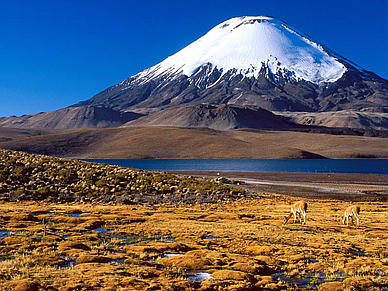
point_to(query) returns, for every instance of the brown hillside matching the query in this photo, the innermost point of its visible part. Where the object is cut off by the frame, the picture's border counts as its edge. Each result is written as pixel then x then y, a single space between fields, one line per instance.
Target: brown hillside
pixel 170 142
pixel 71 118
pixel 340 119
pixel 214 116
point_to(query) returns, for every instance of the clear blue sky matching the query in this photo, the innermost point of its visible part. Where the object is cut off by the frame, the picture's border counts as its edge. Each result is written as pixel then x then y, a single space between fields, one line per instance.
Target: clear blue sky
pixel 56 53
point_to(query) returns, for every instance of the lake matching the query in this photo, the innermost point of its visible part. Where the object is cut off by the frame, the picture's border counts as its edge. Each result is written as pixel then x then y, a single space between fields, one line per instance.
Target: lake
pixel 361 166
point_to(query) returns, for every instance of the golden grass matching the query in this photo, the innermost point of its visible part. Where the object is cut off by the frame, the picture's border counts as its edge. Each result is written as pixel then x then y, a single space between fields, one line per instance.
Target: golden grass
pixel 240 243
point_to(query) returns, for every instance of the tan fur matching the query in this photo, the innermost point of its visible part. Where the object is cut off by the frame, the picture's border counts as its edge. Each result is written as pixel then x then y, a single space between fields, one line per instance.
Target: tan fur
pixel 299 208
pixel 353 210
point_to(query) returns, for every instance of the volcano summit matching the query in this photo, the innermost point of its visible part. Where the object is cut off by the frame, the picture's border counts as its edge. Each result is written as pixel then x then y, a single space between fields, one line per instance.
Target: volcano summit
pixel 238 66
pixel 259 61
pixel 246 73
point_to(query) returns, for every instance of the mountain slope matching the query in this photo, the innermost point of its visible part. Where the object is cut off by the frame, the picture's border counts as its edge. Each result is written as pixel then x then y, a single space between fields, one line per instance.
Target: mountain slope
pixel 220 117
pixel 258 61
pixel 70 118
pixel 341 119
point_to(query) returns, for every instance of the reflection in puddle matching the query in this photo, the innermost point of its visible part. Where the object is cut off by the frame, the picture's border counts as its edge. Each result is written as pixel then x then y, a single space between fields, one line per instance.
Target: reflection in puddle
pixel 100 229
pixel 76 214
pixel 172 255
pixel 308 281
pixel 164 238
pixel 4 234
pixel 199 276
pixel 116 262
pixel 106 235
pixel 70 263
pixel 210 237
pixel 359 253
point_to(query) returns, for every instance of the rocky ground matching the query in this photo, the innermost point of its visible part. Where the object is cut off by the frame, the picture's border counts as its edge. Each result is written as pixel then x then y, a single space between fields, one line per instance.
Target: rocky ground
pixel 191 237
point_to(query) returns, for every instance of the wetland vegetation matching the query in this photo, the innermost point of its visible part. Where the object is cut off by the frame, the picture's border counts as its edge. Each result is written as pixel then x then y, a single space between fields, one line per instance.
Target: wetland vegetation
pixel 109 232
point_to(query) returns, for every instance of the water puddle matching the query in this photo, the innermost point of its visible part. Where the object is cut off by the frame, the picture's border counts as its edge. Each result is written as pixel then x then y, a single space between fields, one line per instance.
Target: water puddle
pixel 198 276
pixel 309 280
pixel 5 257
pixel 70 263
pixel 171 255
pixel 101 229
pixel 359 253
pixel 4 234
pixel 120 262
pixel 164 238
pixel 75 214
pixel 208 237
pixel 106 235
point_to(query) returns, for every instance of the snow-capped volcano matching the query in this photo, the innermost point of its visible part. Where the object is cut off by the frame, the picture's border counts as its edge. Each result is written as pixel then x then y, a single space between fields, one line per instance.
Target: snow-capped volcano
pixel 259 61
pixel 247 44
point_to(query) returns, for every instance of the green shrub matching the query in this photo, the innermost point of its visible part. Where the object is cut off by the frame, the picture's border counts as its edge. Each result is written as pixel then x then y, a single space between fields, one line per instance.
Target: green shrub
pixel 44 192
pixel 67 175
pixel 4 174
pixel 20 174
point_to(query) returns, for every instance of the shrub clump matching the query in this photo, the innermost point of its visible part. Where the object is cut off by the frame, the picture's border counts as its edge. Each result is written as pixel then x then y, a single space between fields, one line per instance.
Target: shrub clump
pixel 25 176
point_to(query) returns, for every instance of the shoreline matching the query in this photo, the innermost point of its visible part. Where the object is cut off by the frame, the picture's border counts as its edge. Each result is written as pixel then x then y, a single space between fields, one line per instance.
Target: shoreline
pixel 333 186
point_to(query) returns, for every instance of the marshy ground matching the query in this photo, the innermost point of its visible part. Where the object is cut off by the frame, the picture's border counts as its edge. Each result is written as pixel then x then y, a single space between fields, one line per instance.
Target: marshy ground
pixel 71 225
pixel 241 245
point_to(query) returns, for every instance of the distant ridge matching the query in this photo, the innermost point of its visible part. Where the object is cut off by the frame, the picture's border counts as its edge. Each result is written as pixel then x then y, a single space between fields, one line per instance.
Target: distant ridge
pixel 220 117
pixel 340 119
pixel 71 118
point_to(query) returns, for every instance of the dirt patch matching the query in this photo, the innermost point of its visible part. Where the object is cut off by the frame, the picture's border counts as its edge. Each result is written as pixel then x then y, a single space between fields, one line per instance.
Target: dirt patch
pixel 346 187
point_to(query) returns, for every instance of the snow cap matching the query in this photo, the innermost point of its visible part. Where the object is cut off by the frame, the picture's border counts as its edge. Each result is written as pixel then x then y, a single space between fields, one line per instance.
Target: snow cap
pixel 246 44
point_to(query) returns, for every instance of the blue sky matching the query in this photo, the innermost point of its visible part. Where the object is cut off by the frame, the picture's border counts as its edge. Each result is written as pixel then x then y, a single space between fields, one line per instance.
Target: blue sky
pixel 56 53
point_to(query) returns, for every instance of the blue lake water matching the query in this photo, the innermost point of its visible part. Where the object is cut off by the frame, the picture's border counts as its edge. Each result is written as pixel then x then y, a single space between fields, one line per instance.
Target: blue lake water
pixel 361 166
